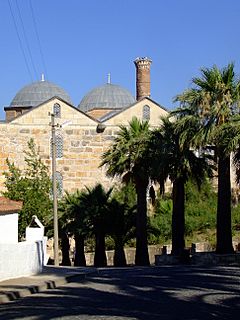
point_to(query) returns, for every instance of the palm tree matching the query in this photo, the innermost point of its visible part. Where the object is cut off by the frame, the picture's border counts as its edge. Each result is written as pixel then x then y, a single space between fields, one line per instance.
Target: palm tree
pixel 122 219
pixel 213 103
pixel 177 161
pixel 122 208
pixel 74 219
pixel 65 247
pixel 63 221
pixel 94 205
pixel 127 158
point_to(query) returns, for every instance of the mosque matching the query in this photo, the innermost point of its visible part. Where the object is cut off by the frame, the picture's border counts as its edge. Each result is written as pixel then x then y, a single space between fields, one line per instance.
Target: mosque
pixel 83 133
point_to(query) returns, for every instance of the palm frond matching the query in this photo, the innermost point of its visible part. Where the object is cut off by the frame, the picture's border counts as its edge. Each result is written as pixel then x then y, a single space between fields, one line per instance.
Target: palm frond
pixel 127 152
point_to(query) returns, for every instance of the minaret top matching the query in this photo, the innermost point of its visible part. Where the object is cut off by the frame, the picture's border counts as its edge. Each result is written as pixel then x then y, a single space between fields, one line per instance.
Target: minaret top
pixel 143 63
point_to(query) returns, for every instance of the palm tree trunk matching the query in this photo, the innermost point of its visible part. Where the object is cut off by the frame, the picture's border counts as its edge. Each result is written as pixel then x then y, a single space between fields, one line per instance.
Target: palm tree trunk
pixel 224 224
pixel 100 259
pixel 178 218
pixel 79 259
pixel 119 259
pixel 142 257
pixel 65 249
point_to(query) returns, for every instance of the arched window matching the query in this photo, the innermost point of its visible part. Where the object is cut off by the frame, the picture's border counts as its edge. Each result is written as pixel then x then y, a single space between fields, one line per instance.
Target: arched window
pixel 146 113
pixel 59 146
pixel 57 110
pixel 59 180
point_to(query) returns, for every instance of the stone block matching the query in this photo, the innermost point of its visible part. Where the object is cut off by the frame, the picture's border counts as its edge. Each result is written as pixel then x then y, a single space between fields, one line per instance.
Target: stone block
pixel 200 247
pixel 76 143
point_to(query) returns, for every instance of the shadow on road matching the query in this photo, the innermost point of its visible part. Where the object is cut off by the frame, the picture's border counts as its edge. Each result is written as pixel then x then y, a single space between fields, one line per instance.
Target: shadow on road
pixel 166 292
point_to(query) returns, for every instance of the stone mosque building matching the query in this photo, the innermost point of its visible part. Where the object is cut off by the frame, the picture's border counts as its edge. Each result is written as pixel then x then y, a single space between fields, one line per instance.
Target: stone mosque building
pixel 83 132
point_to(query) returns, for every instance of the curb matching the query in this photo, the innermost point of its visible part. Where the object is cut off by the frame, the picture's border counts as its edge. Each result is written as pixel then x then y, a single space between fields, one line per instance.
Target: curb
pixel 11 295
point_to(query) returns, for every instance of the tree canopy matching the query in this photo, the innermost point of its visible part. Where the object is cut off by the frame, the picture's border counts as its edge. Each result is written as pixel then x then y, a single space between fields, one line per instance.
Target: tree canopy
pixel 212 106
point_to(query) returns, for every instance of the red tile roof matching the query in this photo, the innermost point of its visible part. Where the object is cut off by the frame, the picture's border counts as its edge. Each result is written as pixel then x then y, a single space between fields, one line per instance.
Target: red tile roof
pixel 8 206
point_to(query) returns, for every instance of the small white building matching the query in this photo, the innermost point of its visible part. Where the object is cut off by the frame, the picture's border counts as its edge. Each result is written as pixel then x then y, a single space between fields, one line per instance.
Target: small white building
pixel 9 220
pixel 17 259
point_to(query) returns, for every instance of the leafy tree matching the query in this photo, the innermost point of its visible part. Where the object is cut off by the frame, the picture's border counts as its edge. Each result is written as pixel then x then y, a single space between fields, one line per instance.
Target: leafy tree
pixel 212 105
pixel 127 158
pixel 32 186
pixel 174 159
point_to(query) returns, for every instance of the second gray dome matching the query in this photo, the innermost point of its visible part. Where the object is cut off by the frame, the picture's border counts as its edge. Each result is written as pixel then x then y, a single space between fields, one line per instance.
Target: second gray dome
pixel 38 92
pixel 108 96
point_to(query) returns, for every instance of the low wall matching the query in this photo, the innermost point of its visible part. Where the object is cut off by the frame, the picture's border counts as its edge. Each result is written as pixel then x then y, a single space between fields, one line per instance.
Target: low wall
pixel 21 259
pixel 211 258
pixel 200 259
pixel 129 253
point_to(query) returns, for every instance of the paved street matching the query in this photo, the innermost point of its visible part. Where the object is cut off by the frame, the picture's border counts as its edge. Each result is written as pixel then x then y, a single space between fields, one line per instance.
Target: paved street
pixel 167 292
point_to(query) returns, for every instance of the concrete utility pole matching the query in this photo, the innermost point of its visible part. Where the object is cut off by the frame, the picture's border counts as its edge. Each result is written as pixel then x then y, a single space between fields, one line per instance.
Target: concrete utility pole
pixel 54 191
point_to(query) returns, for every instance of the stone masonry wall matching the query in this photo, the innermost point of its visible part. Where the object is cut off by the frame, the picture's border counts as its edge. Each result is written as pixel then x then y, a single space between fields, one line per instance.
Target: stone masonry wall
pixel 82 150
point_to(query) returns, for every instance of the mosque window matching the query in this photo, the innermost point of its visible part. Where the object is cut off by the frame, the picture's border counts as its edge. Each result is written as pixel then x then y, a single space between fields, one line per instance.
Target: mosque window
pixel 57 110
pixel 146 113
pixel 59 180
pixel 59 146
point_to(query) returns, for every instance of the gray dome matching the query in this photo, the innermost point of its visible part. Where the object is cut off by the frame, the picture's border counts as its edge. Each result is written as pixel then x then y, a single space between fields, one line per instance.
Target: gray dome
pixel 37 93
pixel 108 96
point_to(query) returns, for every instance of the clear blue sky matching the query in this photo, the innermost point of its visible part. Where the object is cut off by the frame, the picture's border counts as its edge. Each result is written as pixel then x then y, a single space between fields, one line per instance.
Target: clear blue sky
pixel 83 40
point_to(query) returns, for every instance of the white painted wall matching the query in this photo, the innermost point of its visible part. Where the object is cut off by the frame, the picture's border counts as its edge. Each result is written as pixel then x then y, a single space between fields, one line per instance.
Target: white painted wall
pixel 9 228
pixel 21 259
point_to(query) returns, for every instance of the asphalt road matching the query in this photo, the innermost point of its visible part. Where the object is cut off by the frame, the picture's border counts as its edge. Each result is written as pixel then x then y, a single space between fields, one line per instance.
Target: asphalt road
pixel 167 292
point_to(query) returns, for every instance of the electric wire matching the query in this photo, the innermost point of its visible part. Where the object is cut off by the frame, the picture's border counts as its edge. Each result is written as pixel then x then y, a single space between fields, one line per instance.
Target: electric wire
pixel 38 39
pixel 20 41
pixel 26 41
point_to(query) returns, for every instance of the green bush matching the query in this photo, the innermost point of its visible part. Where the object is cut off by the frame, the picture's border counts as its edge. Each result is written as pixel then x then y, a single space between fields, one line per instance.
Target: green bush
pixel 161 222
pixel 200 213
pixel 200 208
pixel 236 220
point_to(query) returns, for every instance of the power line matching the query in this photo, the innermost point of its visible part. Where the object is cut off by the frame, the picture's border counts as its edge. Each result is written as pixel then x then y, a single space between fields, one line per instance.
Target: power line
pixel 20 41
pixel 26 40
pixel 38 39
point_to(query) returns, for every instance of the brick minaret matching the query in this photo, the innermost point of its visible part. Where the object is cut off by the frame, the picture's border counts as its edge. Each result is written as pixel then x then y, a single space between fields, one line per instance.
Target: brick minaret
pixel 142 77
